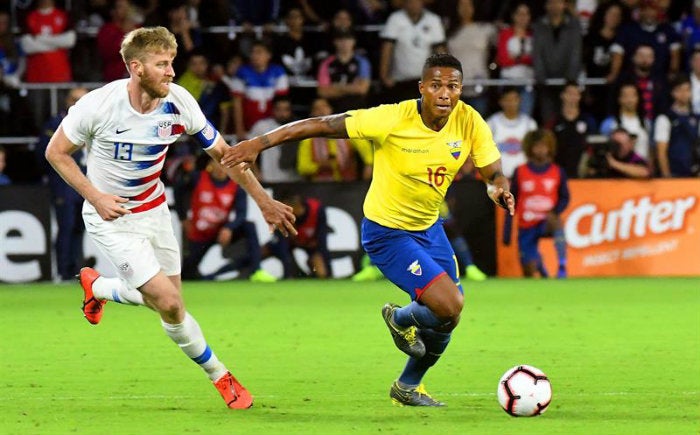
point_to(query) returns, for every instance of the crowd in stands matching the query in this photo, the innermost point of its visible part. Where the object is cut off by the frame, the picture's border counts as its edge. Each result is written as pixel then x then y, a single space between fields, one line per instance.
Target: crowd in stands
pixel 254 65
pixel 284 59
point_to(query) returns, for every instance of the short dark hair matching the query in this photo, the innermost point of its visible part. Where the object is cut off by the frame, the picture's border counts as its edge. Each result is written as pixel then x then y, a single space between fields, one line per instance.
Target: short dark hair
pixel 573 83
pixel 678 80
pixel 343 34
pixel 438 60
pixel 620 129
pixel 262 43
pixel 279 98
pixel 197 51
pixel 288 195
pixel 509 89
pixel 644 45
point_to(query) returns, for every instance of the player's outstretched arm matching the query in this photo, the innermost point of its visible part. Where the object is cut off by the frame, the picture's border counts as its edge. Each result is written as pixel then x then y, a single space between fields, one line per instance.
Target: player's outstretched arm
pixel 58 153
pixel 247 151
pixel 277 215
pixel 498 187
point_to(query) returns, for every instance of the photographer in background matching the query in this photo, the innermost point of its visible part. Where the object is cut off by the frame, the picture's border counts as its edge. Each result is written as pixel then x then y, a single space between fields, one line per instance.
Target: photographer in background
pixel 616 158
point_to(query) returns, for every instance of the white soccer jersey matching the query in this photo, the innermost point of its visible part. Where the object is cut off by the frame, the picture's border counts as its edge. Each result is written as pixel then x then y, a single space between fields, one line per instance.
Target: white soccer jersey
pixel 413 42
pixel 126 149
pixel 508 135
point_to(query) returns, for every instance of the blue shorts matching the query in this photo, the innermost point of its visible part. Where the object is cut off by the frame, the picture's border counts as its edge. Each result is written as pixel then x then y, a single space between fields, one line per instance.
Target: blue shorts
pixel 410 259
pixel 528 240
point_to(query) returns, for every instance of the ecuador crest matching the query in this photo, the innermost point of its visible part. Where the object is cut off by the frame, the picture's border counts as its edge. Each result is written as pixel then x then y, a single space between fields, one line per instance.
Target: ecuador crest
pixel 455 148
pixel 415 268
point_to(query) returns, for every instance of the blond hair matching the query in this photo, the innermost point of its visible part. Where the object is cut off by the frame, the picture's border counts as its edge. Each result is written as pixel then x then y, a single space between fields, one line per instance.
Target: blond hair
pixel 139 42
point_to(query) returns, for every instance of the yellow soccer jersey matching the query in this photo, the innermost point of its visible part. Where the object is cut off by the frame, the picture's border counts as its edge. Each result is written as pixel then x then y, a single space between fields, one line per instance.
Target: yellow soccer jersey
pixel 414 165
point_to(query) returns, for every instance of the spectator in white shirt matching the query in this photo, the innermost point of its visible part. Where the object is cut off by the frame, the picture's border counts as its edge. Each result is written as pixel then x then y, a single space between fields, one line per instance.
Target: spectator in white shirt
pixel 509 127
pixel 470 42
pixel 410 35
pixel 277 164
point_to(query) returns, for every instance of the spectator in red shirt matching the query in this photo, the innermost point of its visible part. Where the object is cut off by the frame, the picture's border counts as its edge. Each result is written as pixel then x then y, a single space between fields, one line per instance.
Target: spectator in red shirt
pixel 514 53
pixel 109 40
pixel 214 198
pixel 543 194
pixel 47 42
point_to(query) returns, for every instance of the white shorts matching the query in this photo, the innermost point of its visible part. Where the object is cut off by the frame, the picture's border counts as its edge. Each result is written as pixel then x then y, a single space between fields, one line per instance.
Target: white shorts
pixel 139 245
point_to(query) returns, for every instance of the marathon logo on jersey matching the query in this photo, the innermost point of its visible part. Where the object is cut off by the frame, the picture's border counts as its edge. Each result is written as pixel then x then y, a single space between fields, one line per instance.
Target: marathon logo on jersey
pixel 167 129
pixel 415 268
pixel 455 148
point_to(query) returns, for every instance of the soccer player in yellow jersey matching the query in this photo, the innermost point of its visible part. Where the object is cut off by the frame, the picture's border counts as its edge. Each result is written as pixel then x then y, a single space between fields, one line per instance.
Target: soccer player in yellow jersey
pixel 419 145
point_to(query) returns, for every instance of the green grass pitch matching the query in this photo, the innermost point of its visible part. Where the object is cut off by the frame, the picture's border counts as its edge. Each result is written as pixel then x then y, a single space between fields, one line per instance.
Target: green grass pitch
pixel 623 356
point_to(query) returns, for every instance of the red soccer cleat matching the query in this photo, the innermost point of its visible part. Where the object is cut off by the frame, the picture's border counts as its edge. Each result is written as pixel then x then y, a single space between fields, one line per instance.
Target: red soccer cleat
pixel 92 307
pixel 233 393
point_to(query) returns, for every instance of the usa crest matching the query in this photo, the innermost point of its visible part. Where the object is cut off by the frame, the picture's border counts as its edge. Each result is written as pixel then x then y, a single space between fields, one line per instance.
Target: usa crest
pixel 455 148
pixel 165 128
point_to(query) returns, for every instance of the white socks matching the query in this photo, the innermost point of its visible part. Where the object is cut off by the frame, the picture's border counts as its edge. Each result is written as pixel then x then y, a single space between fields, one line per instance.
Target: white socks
pixel 188 335
pixel 115 289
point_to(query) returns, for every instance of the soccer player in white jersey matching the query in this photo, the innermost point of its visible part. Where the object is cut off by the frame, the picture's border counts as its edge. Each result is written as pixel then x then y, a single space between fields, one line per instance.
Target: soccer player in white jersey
pixel 127 126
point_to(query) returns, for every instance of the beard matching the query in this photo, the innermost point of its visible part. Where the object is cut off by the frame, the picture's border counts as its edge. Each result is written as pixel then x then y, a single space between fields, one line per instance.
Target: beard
pixel 646 69
pixel 154 87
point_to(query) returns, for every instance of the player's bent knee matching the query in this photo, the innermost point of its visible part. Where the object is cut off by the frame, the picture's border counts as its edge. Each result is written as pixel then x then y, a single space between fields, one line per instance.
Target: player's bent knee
pixel 451 307
pixel 169 306
pixel 448 312
pixel 452 312
pixel 444 300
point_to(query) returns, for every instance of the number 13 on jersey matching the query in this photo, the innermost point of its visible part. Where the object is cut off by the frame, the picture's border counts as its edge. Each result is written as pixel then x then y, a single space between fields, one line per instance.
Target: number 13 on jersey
pixel 123 151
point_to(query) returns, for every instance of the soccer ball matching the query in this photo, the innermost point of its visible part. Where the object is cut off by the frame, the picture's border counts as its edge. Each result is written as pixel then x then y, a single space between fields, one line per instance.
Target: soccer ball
pixel 524 391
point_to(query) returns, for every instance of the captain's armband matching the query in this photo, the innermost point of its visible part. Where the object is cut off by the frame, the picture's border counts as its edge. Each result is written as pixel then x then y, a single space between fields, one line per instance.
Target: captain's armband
pixel 207 136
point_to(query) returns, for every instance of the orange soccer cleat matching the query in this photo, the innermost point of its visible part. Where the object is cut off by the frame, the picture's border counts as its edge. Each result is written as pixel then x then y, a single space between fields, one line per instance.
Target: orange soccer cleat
pixel 92 307
pixel 233 393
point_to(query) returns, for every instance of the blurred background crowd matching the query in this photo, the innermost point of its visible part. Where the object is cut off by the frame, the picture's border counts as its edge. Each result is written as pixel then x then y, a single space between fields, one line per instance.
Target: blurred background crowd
pixel 616 81
pixel 581 68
